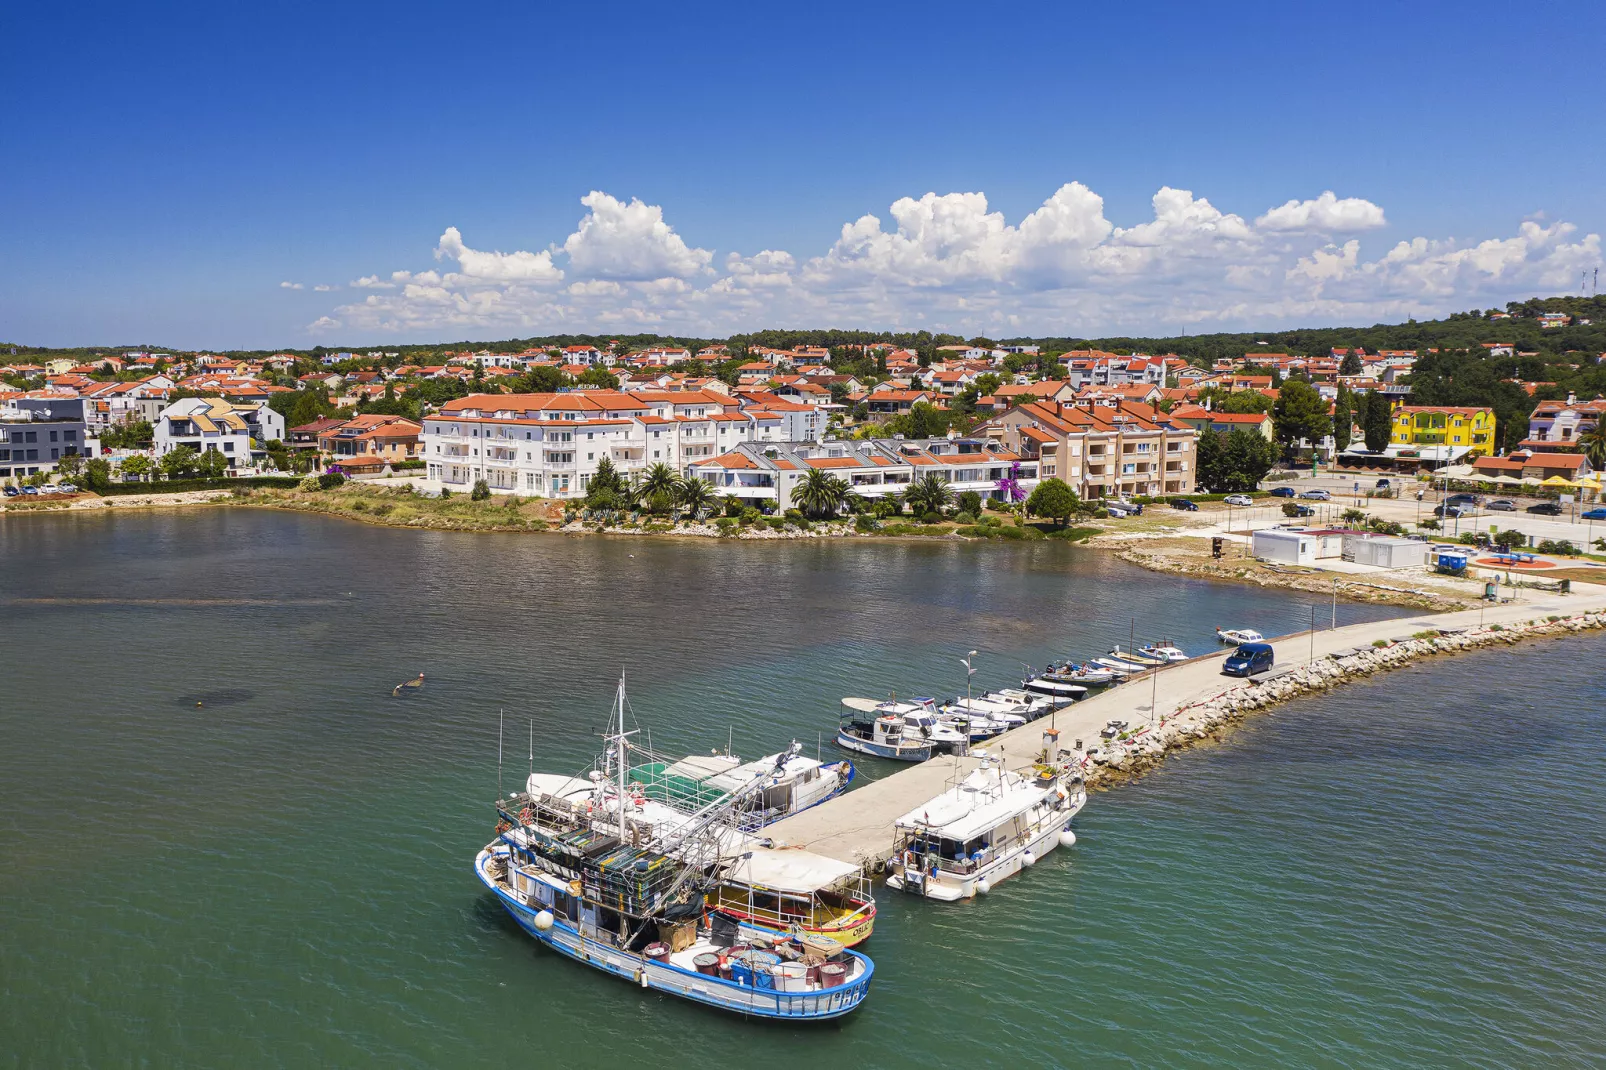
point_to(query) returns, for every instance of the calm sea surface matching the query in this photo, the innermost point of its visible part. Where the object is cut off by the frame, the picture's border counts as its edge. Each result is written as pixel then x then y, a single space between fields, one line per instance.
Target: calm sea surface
pixel 1406 872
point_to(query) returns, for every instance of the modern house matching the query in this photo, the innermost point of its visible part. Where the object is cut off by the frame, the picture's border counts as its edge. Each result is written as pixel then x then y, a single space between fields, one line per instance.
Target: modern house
pixel 234 429
pixel 1100 450
pixel 368 442
pixel 38 429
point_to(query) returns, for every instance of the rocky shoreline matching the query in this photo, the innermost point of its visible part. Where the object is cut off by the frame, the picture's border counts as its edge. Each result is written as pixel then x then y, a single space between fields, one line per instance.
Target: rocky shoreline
pixel 1124 760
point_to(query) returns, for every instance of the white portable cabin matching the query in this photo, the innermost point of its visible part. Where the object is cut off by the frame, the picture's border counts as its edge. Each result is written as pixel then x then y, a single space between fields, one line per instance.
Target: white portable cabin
pixel 1285 547
pixel 1385 551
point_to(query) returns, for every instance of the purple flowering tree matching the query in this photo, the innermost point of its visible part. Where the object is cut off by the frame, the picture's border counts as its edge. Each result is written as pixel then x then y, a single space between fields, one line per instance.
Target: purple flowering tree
pixel 1014 493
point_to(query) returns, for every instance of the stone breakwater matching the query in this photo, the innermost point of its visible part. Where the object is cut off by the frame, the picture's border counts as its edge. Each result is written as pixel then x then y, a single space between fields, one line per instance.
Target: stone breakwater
pixel 1124 759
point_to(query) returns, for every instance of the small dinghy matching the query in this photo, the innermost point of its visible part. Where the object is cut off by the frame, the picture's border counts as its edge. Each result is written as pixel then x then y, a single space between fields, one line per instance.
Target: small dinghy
pixel 1235 636
pixel 1166 651
pixel 408 685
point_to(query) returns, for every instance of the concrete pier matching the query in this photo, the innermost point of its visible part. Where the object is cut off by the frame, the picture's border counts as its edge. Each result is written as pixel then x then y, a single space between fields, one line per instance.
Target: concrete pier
pixel 858 826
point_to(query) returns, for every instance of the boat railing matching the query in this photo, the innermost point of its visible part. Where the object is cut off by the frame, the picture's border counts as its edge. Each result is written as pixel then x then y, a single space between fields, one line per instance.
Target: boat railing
pixel 813 1003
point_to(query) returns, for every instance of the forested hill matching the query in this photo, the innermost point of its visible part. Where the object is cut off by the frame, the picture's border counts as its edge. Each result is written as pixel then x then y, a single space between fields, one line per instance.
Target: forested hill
pixel 1461 330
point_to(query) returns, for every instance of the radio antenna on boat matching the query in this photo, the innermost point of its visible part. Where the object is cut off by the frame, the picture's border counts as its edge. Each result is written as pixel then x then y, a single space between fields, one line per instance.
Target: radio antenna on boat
pixel 532 750
pixel 499 719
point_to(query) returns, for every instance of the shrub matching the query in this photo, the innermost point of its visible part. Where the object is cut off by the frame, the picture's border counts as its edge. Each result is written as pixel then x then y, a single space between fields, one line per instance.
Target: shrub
pixel 1563 547
pixel 727 525
pixel 734 507
pixel 750 515
pixel 1380 643
pixel 1497 627
pixel 1290 509
pixel 932 517
pixel 310 483
pixel 969 503
pixel 776 523
pixel 963 517
pixel 331 480
pixel 1507 540
pixel 865 524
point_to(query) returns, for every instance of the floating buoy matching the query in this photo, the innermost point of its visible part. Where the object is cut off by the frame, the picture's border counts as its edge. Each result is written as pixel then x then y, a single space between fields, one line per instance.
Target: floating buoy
pixel 1028 859
pixel 198 705
pixel 1067 838
pixel 984 886
pixel 543 920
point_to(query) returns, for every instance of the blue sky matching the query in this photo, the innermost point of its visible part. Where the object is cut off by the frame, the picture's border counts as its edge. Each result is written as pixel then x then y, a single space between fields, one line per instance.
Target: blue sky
pixel 171 168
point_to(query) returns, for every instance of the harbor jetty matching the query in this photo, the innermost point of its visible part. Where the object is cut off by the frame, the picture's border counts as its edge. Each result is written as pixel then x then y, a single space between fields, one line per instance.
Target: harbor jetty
pixel 1178 705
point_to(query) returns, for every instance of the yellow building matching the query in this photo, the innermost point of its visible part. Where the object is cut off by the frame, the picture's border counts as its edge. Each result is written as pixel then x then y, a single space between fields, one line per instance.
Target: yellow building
pixel 1438 425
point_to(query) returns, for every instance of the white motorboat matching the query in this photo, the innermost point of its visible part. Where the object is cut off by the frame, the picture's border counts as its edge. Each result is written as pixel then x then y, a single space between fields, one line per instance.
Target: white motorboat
pixel 1089 674
pixel 1004 712
pixel 988 827
pixel 1035 706
pixel 1166 651
pixel 974 726
pixel 1235 636
pixel 909 731
pixel 1137 657
pixel 1127 667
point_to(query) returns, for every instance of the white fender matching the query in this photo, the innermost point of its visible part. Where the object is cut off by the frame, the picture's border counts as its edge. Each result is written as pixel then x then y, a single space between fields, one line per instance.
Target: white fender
pixel 984 886
pixel 1067 838
pixel 543 920
pixel 1028 859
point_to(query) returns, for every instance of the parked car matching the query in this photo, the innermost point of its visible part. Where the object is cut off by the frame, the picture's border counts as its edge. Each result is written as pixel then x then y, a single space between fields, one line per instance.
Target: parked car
pixel 1317 494
pixel 1446 509
pixel 1183 503
pixel 1383 484
pixel 1282 492
pixel 1239 499
pixel 1116 512
pixel 1593 514
pixel 30 490
pixel 67 488
pixel 1546 509
pixel 1248 659
pixel 1462 499
pixel 1304 510
pixel 1500 505
pixel 12 492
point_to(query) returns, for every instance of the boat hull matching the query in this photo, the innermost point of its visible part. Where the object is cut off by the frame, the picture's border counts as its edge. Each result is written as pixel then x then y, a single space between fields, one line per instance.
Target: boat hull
pixel 900 753
pixel 668 978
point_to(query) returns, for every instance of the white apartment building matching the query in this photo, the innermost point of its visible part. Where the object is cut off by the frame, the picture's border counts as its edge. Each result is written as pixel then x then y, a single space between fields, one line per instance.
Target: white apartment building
pixel 551 444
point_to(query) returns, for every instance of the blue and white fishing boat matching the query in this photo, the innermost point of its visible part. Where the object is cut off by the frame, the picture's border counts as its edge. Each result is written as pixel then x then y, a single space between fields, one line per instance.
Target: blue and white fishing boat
pixel 593 869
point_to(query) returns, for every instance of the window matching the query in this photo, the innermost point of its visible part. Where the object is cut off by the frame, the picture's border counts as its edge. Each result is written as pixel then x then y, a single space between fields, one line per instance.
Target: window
pixel 70 436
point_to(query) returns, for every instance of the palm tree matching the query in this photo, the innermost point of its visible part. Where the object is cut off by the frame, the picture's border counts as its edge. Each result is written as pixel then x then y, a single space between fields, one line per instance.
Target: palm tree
pixel 820 494
pixel 657 488
pixel 928 494
pixel 1593 444
pixel 696 495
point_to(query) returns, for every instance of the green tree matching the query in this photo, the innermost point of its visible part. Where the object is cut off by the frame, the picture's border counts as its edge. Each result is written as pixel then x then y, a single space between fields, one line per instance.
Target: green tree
pixel 927 421
pixel 820 494
pixel 1351 364
pixel 604 489
pixel 928 494
pixel 1343 418
pixel 696 495
pixel 659 479
pixel 480 492
pixel 70 466
pixel 1593 445
pixel 542 379
pixel 970 502
pixel 138 466
pixel 1377 423
pixel 599 376
pixel 1243 402
pixel 213 464
pixel 1300 414
pixel 1055 499
pixel 179 462
pixel 1235 462
pixel 97 473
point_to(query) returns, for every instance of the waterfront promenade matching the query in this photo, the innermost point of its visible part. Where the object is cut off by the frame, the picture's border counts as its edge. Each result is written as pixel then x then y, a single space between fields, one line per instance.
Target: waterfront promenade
pixel 858 826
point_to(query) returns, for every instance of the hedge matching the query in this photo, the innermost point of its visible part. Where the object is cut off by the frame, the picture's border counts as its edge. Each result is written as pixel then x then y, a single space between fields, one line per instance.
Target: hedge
pixel 174 486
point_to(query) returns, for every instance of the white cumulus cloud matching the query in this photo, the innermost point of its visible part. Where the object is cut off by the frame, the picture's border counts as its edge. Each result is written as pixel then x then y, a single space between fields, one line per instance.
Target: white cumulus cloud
pixel 1326 213
pixel 952 262
pixel 290 286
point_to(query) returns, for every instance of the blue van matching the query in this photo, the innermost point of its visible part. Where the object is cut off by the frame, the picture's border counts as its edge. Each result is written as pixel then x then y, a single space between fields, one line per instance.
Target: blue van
pixel 1248 659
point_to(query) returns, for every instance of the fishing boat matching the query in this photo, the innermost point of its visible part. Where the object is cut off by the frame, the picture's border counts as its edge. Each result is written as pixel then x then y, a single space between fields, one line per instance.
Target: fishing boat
pixel 1136 657
pixel 1235 636
pixel 792 891
pixel 1035 706
pixel 1003 714
pixel 794 782
pixel 1060 691
pixel 1167 652
pixel 975 727
pixel 1124 666
pixel 902 731
pixel 986 828
pixel 1087 674
pixel 593 869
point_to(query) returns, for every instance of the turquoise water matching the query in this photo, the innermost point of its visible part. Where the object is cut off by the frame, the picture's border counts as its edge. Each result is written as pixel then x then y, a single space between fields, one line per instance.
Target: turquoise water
pixel 1404 872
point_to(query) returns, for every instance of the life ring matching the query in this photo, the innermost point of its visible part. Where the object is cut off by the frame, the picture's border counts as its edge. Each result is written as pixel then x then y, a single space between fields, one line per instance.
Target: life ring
pixel 525 816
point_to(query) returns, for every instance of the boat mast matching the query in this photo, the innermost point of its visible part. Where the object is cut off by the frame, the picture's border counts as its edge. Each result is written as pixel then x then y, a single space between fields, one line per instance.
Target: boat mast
pixel 624 759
